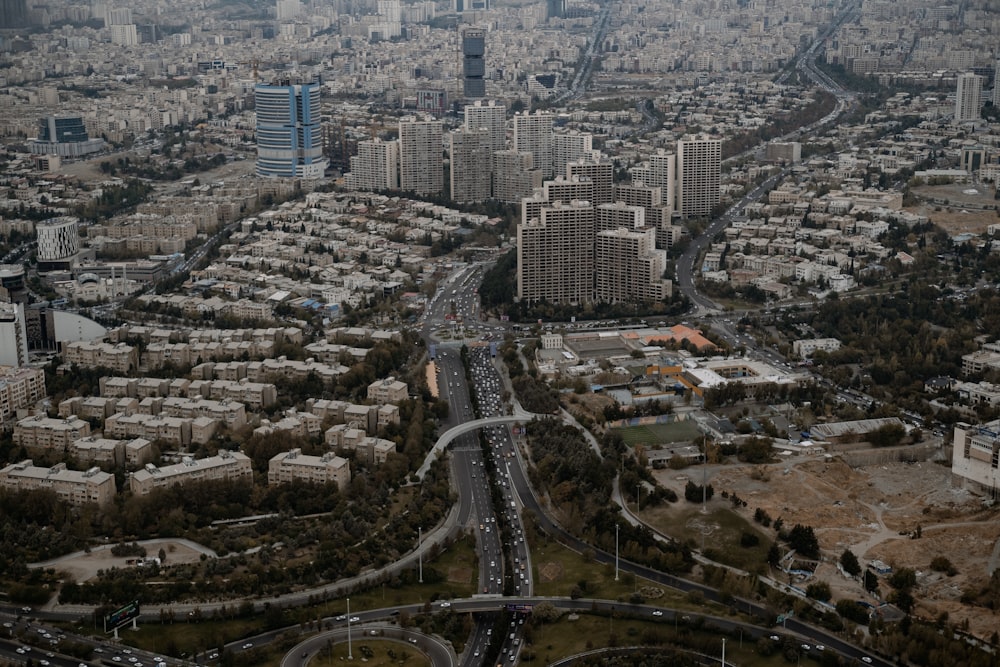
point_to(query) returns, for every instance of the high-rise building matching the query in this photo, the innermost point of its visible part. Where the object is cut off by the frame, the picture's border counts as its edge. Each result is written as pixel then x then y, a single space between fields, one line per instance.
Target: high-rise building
pixel 514 176
pixel 629 267
pixel 473 63
pixel 124 35
pixel 639 194
pixel 570 147
pixel 562 190
pixel 471 161
pixel 375 167
pixel 13 335
pixel 555 9
pixel 968 97
pixel 421 160
pixel 289 134
pixel 533 133
pixel 619 214
pixel 555 255
pixel 996 84
pixel 493 117
pixel 699 167
pixel 600 171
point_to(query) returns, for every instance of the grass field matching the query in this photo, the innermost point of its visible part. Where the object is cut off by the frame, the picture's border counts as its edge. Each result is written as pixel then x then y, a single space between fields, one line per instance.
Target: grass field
pixel 721 531
pixel 570 636
pixel 655 434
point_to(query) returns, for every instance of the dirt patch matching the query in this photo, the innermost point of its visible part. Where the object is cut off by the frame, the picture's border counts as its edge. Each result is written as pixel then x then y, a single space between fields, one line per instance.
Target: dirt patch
pixel 590 406
pixel 550 571
pixel 963 213
pixel 459 575
pixel 874 511
pixel 82 566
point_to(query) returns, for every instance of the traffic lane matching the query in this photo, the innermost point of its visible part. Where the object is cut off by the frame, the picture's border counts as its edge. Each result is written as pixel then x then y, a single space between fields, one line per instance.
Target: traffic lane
pixel 435 649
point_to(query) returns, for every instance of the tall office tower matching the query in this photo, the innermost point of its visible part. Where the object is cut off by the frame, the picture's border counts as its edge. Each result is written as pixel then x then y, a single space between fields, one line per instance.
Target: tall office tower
pixel 375 167
pixel 533 133
pixel 493 117
pixel 473 63
pixel 58 243
pixel 555 255
pixel 619 214
pixel 514 176
pixel 699 166
pixel 421 163
pixel 471 161
pixel 629 267
pixel 289 135
pixel 65 136
pixel 570 147
pixel 968 97
pixel 639 194
pixel 601 171
pixel 13 335
pixel 559 190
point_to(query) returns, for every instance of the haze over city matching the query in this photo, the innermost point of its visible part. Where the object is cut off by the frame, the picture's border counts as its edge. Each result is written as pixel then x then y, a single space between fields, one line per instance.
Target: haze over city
pixel 471 333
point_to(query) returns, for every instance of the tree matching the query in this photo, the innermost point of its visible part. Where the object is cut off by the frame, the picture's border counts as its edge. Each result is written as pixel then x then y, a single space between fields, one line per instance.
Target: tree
pixel 803 540
pixel 819 591
pixel 850 563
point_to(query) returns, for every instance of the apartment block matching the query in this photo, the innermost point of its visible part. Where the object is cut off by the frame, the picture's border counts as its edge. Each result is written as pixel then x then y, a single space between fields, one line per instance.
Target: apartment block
pixel 107 452
pixel 600 171
pixel 421 160
pixel 555 261
pixel 70 486
pixel 629 267
pixel 375 167
pixel 120 358
pixel 389 390
pixel 293 466
pixel 41 434
pixel 533 134
pixel 514 175
pixel 699 168
pixel 471 163
pixel 20 388
pixel 226 466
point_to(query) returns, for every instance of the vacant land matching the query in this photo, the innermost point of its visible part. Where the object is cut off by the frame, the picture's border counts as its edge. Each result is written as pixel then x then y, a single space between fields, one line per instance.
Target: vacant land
pixel 874 511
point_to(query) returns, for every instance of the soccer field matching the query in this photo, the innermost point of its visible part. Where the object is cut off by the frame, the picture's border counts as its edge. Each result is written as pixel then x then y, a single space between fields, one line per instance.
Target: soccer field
pixel 680 431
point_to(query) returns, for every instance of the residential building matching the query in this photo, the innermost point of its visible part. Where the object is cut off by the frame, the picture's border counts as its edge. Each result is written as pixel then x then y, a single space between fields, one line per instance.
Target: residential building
pixel 42 434
pixel 805 347
pixel 968 97
pixel 120 358
pixel 289 135
pixel 471 162
pixel 492 116
pixel 600 171
pixel 70 486
pixel 555 254
pixel 389 390
pixel 629 267
pixel 570 147
pixel 514 176
pixel 226 466
pixel 699 168
pixel 375 167
pixel 421 161
pixel 20 388
pixel 533 134
pixel 293 466
pixel 619 214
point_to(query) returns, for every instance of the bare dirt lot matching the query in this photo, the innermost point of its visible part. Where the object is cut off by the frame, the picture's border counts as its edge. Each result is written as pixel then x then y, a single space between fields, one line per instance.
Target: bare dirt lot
pixel 874 511
pixel 963 212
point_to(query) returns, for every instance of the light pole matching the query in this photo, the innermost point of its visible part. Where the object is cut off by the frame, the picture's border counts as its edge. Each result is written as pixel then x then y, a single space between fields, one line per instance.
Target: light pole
pixel 616 552
pixel 420 554
pixel 723 652
pixel 350 654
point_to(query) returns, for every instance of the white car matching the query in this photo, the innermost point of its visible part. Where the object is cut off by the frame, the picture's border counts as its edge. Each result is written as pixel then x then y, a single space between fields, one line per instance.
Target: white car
pixel 657 612
pixel 866 660
pixel 445 604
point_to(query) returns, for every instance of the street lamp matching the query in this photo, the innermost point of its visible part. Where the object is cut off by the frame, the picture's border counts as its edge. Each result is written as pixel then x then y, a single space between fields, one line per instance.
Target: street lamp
pixel 420 554
pixel 616 552
pixel 350 654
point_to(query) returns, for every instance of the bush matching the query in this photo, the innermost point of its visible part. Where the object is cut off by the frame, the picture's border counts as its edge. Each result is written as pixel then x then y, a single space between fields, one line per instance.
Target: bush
pixel 942 564
pixel 819 591
pixel 748 540
pixel 695 493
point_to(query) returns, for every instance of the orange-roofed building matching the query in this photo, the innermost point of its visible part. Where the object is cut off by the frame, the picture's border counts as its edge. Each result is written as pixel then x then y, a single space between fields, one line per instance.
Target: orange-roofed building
pixel 680 333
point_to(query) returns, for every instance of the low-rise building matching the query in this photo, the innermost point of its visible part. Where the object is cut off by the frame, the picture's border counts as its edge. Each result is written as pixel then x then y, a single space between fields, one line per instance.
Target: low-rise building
pixel 293 466
pixel 120 357
pixel 805 347
pixel 71 486
pixel 226 466
pixel 43 434
pixel 389 390
pixel 975 459
pixel 20 388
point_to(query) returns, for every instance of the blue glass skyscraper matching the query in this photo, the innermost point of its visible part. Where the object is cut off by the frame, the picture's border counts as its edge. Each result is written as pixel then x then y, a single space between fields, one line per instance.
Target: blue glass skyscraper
pixel 289 135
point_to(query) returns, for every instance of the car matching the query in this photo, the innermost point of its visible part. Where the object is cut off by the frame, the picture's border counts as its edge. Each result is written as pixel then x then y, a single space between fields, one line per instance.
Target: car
pixel 412 640
pixel 806 647
pixel 820 647
pixel 775 638
pixel 445 604
pixel 44 663
pixel 342 617
pixel 20 649
pixel 82 664
pixel 247 645
pixel 355 619
pixel 866 660
pixel 657 612
pixel 117 658
pixel 213 656
pixel 476 654
pixel 305 654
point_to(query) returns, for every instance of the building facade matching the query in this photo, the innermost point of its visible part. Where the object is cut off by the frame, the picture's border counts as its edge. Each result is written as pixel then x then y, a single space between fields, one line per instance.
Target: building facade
pixel 629 267
pixel 292 466
pixel 699 169
pixel 533 134
pixel 473 63
pixel 968 97
pixel 226 466
pixel 555 254
pixel 471 160
pixel 375 167
pixel 71 486
pixel 289 135
pixel 421 160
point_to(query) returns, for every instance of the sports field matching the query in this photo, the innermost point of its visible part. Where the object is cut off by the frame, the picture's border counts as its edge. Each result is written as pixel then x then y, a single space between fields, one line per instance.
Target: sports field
pixel 653 434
